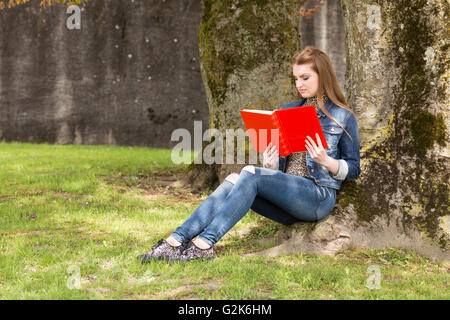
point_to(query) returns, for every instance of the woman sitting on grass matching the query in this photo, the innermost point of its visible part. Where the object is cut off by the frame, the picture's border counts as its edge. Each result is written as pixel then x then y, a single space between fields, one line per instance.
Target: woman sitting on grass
pixel 299 187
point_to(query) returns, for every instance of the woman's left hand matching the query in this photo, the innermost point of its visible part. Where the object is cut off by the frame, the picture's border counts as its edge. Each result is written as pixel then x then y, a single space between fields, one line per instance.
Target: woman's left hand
pixel 316 151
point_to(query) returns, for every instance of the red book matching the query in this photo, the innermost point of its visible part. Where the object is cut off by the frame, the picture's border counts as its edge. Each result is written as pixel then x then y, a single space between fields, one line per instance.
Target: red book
pixel 293 125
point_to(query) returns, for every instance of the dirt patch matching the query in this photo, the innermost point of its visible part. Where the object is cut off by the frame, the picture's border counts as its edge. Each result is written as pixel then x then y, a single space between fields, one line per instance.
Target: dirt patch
pixel 158 179
pixel 102 291
pixel 38 192
pixel 39 247
pixel 188 290
pixel 160 185
pixel 94 234
pixel 41 231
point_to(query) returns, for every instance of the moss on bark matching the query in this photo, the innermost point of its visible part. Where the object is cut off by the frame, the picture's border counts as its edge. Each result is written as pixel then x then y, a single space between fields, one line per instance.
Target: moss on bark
pixel 405 175
pixel 245 53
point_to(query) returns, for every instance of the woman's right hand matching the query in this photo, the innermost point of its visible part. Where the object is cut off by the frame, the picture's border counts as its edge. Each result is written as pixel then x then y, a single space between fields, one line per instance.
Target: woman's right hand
pixel 270 157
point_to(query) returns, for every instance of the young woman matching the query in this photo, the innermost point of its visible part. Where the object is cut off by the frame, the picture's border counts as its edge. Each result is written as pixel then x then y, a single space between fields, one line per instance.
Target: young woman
pixel 299 187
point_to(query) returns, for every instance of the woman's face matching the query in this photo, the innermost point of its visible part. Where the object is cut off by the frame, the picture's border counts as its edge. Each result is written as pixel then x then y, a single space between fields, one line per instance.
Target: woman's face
pixel 306 80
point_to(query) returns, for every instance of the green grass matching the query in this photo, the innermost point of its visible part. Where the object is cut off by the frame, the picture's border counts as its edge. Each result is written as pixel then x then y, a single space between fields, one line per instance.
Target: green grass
pixel 86 212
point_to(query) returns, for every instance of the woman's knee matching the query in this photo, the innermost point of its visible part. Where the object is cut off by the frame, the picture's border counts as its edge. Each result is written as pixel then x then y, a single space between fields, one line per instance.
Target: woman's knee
pixel 232 177
pixel 249 168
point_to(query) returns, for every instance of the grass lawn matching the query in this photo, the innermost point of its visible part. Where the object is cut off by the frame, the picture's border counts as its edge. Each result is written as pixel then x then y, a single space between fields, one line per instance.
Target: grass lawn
pixel 74 218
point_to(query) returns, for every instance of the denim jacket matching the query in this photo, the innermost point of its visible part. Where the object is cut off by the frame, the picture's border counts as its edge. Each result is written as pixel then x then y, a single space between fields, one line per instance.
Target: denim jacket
pixel 340 147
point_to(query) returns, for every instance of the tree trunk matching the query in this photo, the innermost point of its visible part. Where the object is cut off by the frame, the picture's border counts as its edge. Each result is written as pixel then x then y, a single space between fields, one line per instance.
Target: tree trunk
pixel 396 82
pixel 245 53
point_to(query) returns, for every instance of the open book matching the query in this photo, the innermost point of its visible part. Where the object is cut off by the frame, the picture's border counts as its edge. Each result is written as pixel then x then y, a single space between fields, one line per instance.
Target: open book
pixel 285 128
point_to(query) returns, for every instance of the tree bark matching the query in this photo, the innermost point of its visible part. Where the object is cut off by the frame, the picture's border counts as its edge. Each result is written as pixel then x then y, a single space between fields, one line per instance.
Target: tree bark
pixel 397 84
pixel 245 53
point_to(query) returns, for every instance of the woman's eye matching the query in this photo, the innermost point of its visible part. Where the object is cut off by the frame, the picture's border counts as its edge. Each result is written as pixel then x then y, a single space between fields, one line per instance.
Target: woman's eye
pixel 305 79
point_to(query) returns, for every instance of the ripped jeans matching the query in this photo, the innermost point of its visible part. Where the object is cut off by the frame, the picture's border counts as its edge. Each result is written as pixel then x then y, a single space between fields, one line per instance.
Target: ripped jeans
pixel 276 195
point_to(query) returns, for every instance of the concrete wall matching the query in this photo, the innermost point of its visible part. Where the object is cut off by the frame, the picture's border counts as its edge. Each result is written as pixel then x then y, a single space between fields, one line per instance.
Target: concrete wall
pixel 130 76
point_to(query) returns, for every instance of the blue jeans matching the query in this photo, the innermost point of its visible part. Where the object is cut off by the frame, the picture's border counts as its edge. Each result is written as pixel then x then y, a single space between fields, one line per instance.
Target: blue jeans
pixel 278 196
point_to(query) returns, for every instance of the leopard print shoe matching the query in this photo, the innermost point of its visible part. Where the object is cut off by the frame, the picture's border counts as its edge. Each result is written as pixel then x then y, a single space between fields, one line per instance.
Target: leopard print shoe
pixel 192 252
pixel 162 251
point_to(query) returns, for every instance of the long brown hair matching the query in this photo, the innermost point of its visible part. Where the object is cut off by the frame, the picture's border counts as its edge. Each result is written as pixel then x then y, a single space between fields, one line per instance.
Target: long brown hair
pixel 328 83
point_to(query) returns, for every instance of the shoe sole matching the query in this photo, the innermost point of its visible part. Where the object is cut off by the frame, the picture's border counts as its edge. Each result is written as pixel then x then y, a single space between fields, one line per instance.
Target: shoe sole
pixel 172 260
pixel 194 259
pixel 165 258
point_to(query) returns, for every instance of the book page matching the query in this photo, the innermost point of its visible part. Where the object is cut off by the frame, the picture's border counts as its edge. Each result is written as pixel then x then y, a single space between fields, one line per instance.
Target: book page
pixel 259 111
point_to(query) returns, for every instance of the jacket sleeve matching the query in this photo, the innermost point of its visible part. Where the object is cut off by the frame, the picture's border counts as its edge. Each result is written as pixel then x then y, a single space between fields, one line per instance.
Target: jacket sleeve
pixel 349 150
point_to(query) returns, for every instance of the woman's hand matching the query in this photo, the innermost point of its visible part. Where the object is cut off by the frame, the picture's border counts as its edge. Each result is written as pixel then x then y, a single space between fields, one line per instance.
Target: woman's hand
pixel 316 151
pixel 271 157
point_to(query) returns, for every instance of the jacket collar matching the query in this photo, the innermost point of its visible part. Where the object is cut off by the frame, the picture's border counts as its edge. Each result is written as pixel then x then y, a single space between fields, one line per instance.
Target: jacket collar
pixel 320 112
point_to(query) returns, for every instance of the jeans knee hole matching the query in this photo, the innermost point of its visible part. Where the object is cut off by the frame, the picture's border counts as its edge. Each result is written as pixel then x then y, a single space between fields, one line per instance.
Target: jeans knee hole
pixel 250 169
pixel 232 178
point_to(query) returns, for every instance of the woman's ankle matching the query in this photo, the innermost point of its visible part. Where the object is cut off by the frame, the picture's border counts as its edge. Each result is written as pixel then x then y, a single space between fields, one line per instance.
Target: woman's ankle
pixel 199 243
pixel 173 242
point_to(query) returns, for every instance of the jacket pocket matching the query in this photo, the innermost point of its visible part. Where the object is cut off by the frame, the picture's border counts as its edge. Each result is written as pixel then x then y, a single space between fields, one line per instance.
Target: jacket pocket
pixel 332 134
